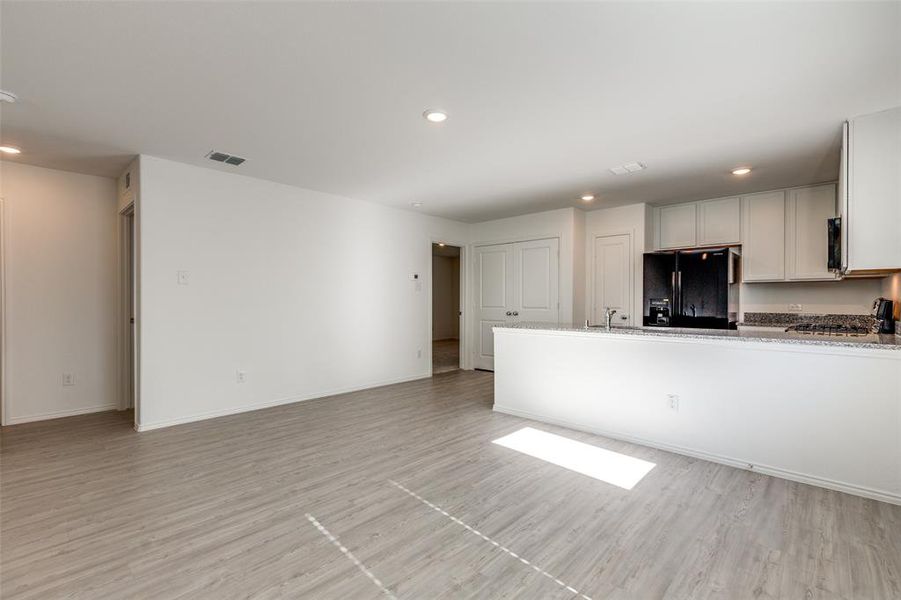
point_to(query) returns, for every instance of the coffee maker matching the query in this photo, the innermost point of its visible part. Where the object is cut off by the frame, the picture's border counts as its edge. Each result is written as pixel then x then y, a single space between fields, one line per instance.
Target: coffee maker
pixel 884 313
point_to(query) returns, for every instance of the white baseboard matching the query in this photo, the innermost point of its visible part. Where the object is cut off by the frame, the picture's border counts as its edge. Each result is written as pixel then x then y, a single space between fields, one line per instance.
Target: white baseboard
pixel 60 414
pixel 839 486
pixel 269 404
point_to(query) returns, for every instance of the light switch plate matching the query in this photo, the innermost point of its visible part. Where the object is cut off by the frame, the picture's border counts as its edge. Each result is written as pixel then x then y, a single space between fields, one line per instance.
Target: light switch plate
pixel 182 278
pixel 68 379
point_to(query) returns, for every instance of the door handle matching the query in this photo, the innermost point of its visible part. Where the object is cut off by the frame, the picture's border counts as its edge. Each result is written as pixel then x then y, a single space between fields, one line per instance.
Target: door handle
pixel 515 314
pixel 509 313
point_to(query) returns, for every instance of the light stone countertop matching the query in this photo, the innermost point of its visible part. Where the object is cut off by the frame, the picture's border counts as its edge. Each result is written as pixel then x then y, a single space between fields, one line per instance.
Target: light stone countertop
pixel 869 342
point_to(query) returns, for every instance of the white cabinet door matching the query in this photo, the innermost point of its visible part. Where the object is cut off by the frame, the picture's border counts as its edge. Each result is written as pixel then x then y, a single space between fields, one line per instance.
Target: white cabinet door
pixel 536 277
pixel 873 218
pixel 807 245
pixel 612 278
pixel 493 298
pixel 763 237
pixel 719 221
pixel 677 226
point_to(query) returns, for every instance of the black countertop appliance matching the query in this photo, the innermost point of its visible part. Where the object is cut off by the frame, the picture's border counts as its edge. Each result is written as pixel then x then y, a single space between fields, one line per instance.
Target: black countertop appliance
pixel 884 312
pixel 692 288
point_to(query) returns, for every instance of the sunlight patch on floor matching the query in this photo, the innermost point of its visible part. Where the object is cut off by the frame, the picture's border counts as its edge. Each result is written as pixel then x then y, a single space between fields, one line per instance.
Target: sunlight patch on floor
pixel 604 465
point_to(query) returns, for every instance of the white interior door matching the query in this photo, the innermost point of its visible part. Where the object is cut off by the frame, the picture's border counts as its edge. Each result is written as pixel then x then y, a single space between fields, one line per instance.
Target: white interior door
pixel 612 278
pixel 537 281
pixel 493 298
pixel 513 282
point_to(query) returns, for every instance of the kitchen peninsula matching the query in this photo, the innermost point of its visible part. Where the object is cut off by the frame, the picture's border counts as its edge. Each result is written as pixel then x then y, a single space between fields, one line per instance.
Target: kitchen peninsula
pixel 807 408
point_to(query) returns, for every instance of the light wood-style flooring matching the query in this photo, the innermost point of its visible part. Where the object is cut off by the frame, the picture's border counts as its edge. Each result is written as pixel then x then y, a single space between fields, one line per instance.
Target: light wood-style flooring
pixel 227 508
pixel 445 356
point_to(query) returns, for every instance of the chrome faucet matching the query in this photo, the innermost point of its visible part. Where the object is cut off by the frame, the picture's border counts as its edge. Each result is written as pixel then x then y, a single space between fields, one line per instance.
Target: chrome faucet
pixel 608 315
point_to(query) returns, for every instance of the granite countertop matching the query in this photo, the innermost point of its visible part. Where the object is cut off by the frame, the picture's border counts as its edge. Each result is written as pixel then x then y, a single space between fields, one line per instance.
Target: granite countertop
pixel 760 319
pixel 869 342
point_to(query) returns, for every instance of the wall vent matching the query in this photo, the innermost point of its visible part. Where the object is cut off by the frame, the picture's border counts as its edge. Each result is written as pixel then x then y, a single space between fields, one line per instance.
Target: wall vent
pixel 229 159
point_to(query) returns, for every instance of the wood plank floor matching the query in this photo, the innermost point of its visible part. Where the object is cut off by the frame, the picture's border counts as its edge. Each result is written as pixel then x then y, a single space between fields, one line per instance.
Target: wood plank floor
pixel 445 356
pixel 218 509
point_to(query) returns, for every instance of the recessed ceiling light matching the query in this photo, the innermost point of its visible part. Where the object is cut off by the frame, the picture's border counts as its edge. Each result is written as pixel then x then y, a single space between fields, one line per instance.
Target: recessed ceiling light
pixel 10 150
pixel 587 198
pixel 441 244
pixel 435 116
pixel 416 204
pixel 741 171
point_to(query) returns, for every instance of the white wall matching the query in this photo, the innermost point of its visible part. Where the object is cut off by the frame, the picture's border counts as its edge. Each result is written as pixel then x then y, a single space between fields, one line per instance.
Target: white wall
pixel 310 294
pixel 127 194
pixel 848 296
pixel 61 292
pixel 549 224
pixel 579 261
pixel 631 219
pixel 445 297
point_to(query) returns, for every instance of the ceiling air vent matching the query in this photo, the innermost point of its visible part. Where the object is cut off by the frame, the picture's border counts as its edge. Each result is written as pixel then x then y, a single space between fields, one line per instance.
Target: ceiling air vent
pixel 632 167
pixel 229 159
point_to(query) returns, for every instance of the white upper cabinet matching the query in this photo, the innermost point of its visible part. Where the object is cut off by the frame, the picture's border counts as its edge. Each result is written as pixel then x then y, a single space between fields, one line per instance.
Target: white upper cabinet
pixel 870 194
pixel 763 236
pixel 705 223
pixel 807 211
pixel 677 226
pixel 719 221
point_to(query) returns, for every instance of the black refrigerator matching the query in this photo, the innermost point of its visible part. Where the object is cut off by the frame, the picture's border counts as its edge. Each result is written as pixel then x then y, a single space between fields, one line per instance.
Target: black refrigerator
pixel 691 288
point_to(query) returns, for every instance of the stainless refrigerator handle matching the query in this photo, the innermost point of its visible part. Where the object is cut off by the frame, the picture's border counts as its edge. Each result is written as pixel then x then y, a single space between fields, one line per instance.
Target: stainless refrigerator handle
pixel 677 293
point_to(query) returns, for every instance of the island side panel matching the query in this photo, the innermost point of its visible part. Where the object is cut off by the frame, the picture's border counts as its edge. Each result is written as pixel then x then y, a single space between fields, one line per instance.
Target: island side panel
pixel 822 415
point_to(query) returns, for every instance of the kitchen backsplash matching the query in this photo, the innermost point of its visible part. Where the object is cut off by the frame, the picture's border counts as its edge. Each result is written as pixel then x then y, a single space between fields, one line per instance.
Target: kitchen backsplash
pixel 775 319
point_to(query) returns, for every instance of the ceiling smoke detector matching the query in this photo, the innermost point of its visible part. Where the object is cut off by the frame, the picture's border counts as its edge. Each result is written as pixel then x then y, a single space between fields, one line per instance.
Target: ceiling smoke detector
pixel 631 167
pixel 229 159
pixel 7 96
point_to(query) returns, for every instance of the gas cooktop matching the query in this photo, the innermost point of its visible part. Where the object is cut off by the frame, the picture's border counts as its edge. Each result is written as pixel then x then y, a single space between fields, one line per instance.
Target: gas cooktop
pixel 829 329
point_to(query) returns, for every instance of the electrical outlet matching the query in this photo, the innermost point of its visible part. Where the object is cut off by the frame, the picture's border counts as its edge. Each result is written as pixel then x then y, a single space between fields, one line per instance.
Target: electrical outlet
pixel 182 278
pixel 241 376
pixel 673 401
pixel 68 379
pixel 795 308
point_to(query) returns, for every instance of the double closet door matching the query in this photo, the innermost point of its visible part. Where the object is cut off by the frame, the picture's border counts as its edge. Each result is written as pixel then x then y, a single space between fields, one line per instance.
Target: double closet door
pixel 515 282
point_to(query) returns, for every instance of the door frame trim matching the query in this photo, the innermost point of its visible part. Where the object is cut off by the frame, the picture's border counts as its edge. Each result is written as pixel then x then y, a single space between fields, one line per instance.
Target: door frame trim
pixel 465 363
pixel 592 268
pixel 4 400
pixel 129 210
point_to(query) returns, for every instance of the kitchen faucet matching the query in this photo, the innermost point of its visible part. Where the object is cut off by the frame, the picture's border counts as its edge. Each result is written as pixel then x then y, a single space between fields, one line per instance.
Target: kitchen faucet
pixel 608 315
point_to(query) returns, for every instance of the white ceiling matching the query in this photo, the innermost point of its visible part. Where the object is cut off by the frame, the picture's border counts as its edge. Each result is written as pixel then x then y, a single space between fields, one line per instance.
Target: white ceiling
pixel 543 97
